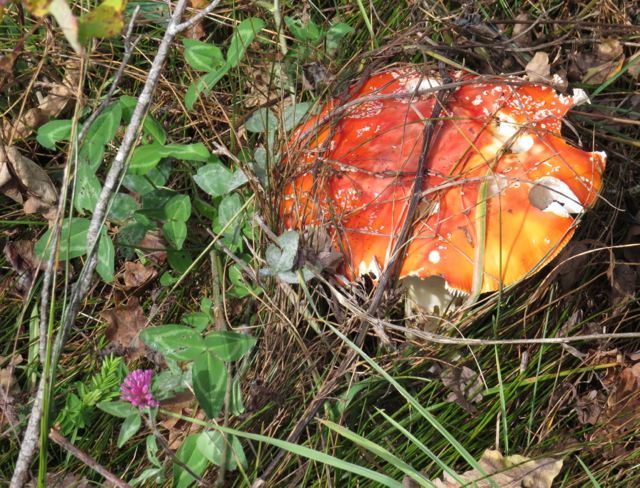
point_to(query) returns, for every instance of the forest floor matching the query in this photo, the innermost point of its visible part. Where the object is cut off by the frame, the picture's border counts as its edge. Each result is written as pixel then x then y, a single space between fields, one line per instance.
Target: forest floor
pixel 191 240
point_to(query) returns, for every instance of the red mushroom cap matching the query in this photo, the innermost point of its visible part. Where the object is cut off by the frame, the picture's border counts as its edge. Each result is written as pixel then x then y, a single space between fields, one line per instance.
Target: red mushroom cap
pixel 499 138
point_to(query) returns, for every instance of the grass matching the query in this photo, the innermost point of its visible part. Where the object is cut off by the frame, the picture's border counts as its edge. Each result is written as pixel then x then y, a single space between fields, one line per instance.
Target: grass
pixel 389 416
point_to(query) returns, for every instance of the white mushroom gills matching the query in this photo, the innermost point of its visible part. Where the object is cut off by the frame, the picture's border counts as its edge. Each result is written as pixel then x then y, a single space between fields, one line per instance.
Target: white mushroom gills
pixel 550 194
pixel 507 128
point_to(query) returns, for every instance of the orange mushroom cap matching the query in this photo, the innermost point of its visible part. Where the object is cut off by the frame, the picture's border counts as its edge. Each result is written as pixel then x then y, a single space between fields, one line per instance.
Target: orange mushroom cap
pixel 496 157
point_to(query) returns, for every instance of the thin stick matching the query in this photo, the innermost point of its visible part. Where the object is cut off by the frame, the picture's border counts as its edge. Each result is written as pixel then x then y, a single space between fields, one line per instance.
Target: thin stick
pixel 82 456
pixel 128 51
pixel 81 286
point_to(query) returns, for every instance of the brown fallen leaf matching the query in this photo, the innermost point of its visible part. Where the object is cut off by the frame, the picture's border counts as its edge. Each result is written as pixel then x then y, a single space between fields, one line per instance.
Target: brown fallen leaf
pixel 605 61
pixel 506 472
pixel 589 407
pixel 154 247
pixel 521 34
pixel 538 69
pixel 465 385
pixel 125 323
pixel 8 391
pixel 623 279
pixel 137 274
pixel 25 182
pixel 52 105
pixel 24 262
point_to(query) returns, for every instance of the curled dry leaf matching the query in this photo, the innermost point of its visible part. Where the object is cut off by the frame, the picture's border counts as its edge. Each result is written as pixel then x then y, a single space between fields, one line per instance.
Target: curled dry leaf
pixel 8 391
pixel 25 182
pixel 52 105
pixel 465 385
pixel 521 34
pixel 605 61
pixel 507 472
pixel 24 262
pixel 154 247
pixel 137 274
pixel 538 69
pixel 125 323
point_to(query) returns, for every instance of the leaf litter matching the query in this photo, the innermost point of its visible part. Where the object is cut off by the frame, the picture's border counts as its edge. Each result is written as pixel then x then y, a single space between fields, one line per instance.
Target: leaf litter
pixel 125 323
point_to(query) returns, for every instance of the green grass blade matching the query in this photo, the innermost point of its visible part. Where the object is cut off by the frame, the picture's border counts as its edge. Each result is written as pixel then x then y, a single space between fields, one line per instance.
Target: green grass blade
pixel 379 451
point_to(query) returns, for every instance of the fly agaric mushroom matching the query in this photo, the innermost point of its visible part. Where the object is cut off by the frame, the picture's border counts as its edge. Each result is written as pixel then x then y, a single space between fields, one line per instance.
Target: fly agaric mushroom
pixel 499 197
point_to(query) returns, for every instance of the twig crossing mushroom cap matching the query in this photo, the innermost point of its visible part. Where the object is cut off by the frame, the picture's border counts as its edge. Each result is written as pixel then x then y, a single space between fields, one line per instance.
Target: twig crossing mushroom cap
pixel 498 169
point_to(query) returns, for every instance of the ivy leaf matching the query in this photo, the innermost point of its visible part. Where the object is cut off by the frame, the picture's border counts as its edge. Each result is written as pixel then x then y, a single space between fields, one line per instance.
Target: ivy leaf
pixel 209 383
pixel 53 132
pixel 216 180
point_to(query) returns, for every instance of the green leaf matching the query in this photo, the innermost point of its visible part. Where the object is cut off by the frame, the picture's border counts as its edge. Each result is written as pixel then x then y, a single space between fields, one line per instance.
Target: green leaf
pixel 282 257
pixel 177 342
pixel 106 20
pixel 106 258
pixel 122 207
pixel 152 450
pixel 103 130
pixel 130 426
pixel 262 120
pixel 294 114
pixel 191 456
pixel 128 237
pixel 209 383
pixel 241 288
pixel 216 180
pixel 73 240
pixel 336 33
pixel 150 125
pixel 202 56
pixel 118 408
pixel 307 32
pixel 167 279
pixel 228 345
pixel 178 208
pixel 237 405
pixel 211 445
pixel 155 178
pixel 244 34
pixel 197 320
pixel 52 132
pixel 145 158
pixel 188 152
pixel 203 85
pixel 179 260
pixel 230 216
pixel 88 188
pixel 175 232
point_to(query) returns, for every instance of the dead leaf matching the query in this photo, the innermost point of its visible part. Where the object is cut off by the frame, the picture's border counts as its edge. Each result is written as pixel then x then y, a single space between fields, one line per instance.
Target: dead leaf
pixel 538 69
pixel 196 31
pixel 571 264
pixel 8 391
pixel 507 472
pixel 25 182
pixel 602 63
pixel 24 262
pixel 154 247
pixel 521 36
pixel 125 323
pixel 623 279
pixel 589 407
pixel 465 385
pixel 137 274
pixel 63 480
pixel 52 105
